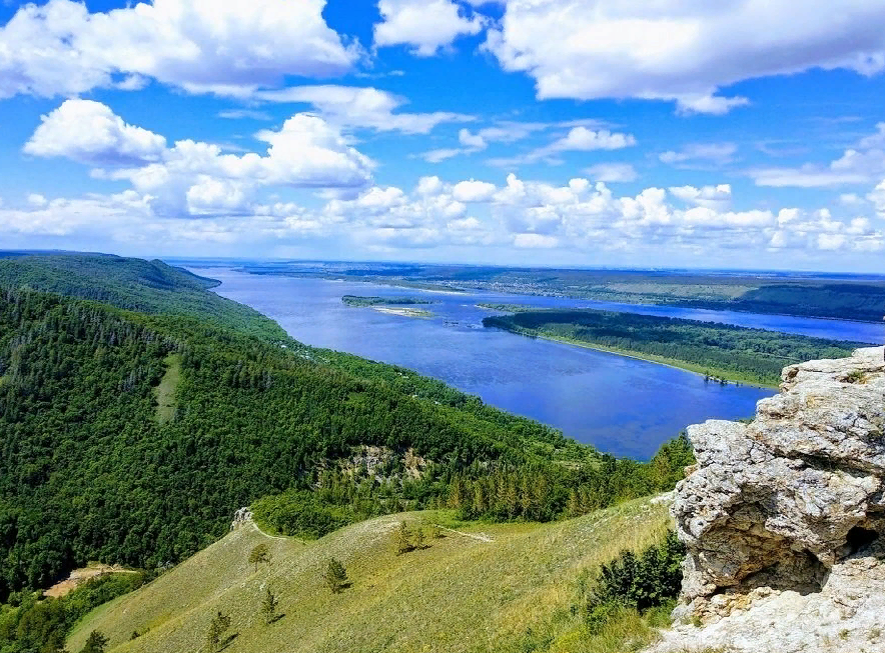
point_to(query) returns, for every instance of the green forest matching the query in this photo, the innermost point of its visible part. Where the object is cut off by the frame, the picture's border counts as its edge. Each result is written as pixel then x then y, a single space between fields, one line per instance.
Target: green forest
pixel 29 624
pixel 358 300
pixel 720 351
pixel 135 284
pixel 93 467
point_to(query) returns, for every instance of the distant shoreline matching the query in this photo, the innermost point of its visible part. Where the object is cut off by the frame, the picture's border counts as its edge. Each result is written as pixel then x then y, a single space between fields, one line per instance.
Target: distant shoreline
pixel 649 358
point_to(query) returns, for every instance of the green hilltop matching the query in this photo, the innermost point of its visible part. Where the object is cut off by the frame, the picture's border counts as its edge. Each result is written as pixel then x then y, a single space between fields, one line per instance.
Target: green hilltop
pixel 152 287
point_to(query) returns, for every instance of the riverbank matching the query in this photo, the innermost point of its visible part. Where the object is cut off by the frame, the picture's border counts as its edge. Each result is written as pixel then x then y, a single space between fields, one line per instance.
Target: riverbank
pixel 715 374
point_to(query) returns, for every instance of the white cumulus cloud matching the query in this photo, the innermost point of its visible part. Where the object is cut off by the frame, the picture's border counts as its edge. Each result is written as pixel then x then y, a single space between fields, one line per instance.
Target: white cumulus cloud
pixel 89 132
pixel 473 191
pixel 354 106
pixel 681 50
pixel 230 48
pixel 577 139
pixel 710 197
pixel 425 25
pixel 196 178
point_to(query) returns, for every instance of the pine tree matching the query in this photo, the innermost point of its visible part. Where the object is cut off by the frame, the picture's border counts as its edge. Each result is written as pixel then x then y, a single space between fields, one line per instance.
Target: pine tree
pixel 418 541
pixel 479 499
pixel 269 606
pixel 403 539
pixel 510 496
pixel 573 507
pixel 335 576
pixel 217 627
pixel 260 554
pixel 96 643
pixel 456 494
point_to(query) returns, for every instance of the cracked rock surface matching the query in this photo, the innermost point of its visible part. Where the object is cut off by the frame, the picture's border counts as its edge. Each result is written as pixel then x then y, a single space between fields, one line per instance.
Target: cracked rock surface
pixel 784 519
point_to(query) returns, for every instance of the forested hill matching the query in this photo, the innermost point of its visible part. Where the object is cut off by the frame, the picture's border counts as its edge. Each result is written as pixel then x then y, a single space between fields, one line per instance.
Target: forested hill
pixel 134 284
pixel 90 468
pixel 131 438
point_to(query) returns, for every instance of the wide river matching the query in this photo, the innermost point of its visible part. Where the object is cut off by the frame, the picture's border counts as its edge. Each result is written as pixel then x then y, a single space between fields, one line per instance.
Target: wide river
pixel 620 405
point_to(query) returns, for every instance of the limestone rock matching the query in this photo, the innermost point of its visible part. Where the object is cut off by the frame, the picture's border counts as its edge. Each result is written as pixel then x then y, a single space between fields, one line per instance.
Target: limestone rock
pixel 241 517
pixel 783 517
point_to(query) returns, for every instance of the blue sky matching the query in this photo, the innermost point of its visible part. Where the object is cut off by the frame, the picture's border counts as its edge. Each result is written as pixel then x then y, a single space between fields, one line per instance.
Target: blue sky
pixel 678 133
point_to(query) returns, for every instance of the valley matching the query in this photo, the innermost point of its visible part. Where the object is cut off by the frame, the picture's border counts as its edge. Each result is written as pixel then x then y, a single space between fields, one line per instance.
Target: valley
pixel 442 326
pixel 853 297
pixel 172 415
pixel 589 395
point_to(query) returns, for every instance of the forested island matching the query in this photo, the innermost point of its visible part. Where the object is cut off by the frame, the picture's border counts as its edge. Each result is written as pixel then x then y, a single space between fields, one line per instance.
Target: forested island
pixel 401 306
pixel 359 300
pixel 721 352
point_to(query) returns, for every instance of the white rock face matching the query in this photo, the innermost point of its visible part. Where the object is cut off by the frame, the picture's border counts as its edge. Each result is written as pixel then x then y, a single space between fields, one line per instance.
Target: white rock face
pixel 784 519
pixel 242 517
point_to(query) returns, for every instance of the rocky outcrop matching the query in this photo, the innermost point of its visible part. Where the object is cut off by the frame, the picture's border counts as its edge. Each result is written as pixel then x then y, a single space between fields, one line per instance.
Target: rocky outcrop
pixel 242 517
pixel 784 518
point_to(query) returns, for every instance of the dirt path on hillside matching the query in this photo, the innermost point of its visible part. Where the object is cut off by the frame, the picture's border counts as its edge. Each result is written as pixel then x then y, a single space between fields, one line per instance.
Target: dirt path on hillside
pixel 482 537
pixel 273 537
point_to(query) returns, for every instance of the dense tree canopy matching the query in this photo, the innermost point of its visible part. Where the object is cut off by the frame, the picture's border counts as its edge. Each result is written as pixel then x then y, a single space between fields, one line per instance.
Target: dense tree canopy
pixel 722 350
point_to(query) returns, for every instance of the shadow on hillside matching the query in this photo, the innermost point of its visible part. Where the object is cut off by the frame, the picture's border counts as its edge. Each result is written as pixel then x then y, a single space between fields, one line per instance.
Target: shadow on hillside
pixel 228 641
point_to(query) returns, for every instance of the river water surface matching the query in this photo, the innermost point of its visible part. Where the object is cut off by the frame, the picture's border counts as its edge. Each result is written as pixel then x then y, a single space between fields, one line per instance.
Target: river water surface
pixel 620 405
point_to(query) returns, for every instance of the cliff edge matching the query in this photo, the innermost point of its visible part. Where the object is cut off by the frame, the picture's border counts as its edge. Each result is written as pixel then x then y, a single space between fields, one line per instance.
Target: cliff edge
pixel 784 519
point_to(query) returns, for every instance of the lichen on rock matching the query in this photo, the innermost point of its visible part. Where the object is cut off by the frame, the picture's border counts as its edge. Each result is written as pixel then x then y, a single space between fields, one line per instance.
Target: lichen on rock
pixel 785 517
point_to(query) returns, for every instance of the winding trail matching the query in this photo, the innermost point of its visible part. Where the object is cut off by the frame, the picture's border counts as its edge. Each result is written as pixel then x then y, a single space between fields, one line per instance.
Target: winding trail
pixel 272 537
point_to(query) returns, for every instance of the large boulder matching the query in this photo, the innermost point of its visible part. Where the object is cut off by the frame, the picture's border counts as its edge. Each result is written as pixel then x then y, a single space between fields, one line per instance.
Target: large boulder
pixel 788 512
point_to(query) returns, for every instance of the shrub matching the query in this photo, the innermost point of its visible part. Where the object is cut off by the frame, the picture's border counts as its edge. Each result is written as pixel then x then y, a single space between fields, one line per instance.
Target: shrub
pixel 645 581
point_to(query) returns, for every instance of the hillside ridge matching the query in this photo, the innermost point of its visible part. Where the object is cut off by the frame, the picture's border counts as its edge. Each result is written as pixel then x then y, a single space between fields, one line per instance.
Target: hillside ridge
pixel 459 595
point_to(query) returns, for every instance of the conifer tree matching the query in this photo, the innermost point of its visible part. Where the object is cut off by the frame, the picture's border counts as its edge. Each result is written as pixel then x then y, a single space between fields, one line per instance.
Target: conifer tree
pixel 456 494
pixel 269 606
pixel 479 499
pixel 335 576
pixel 96 643
pixel 217 627
pixel 418 540
pixel 403 539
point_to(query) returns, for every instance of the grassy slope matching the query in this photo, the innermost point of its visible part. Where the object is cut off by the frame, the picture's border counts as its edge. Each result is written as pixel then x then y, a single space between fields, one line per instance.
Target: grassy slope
pixel 460 595
pixel 165 392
